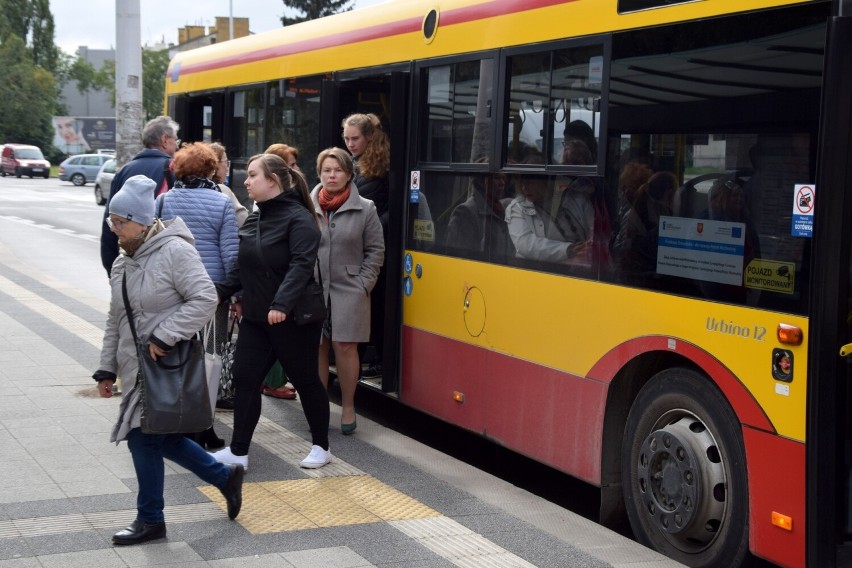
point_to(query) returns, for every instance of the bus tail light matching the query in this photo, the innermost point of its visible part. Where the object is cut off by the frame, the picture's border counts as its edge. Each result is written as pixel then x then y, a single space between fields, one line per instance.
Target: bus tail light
pixel 789 334
pixel 783 521
pixel 458 396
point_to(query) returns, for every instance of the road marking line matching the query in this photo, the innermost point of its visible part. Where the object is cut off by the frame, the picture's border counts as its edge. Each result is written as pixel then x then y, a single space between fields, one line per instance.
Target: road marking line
pixel 61 317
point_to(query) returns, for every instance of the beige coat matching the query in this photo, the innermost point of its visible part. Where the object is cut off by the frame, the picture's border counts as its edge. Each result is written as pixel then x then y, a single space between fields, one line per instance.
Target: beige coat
pixel 351 252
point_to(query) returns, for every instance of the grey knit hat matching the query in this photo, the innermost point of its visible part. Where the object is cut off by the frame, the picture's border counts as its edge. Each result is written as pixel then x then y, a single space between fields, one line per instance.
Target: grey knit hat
pixel 135 200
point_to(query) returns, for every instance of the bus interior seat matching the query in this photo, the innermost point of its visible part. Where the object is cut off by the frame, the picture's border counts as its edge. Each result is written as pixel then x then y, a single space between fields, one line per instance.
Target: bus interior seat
pixel 691 198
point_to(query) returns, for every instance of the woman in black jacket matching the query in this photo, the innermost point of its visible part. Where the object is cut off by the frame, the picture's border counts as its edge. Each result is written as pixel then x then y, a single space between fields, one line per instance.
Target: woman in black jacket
pixel 278 252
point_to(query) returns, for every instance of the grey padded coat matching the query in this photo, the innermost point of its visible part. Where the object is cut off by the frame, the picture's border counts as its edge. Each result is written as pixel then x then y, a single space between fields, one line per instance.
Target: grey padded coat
pixel 172 297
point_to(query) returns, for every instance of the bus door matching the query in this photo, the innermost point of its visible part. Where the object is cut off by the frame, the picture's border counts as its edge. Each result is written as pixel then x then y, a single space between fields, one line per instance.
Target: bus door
pixel 201 117
pixel 829 426
pixel 384 93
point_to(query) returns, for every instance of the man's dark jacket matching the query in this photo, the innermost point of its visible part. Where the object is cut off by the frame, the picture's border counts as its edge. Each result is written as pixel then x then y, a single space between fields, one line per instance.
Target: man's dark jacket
pixel 150 162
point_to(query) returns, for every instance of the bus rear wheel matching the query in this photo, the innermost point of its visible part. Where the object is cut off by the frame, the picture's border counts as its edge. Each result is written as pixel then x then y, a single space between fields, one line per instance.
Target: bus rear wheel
pixel 684 472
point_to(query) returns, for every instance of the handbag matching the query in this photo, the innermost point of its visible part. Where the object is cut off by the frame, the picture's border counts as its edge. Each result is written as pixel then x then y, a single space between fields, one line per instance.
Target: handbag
pixel 174 393
pixel 226 378
pixel 310 307
pixel 212 361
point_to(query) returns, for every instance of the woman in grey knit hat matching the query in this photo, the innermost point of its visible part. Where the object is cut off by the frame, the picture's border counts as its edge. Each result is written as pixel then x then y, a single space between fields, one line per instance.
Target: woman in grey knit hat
pixel 171 297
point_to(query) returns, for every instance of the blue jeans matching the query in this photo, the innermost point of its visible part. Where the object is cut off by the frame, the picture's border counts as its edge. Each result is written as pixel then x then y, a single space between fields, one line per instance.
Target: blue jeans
pixel 148 451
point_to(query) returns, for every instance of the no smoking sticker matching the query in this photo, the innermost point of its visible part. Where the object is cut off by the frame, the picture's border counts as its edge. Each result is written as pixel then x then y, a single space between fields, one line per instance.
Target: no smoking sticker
pixel 804 200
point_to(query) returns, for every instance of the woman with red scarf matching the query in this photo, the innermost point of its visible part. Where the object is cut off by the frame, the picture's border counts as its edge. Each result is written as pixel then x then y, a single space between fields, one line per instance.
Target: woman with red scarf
pixel 351 253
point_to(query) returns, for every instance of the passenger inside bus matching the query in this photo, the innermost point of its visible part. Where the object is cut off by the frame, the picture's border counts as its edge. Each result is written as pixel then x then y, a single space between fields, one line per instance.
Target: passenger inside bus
pixel 575 218
pixel 580 130
pixel 477 226
pixel 533 230
pixel 635 246
pixel 633 175
pixel 726 202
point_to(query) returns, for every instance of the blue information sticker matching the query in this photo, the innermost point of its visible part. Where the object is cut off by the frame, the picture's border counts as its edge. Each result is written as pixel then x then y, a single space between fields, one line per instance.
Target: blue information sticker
pixel 414 195
pixel 407 285
pixel 408 263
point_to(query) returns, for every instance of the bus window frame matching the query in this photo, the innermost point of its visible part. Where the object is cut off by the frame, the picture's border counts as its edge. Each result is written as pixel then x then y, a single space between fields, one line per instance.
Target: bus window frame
pixel 601 106
pixel 420 117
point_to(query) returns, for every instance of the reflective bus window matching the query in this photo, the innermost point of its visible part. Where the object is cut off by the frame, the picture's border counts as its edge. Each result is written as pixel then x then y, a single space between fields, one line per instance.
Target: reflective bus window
pixel 551 223
pixel 463 215
pixel 293 117
pixel 709 145
pixel 625 6
pixel 458 106
pixel 552 98
pixel 559 224
pixel 247 117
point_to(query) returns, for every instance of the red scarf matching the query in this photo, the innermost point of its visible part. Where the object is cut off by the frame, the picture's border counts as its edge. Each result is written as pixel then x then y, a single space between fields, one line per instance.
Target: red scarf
pixel 333 201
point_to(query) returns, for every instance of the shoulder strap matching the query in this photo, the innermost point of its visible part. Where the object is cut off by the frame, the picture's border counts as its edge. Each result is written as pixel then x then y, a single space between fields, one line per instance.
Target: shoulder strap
pixel 160 200
pixel 127 307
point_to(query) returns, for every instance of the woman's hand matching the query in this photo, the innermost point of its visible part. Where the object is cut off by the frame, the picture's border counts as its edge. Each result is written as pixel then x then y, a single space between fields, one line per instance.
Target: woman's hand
pixel 579 249
pixel 236 311
pixel 105 388
pixel 276 317
pixel 156 351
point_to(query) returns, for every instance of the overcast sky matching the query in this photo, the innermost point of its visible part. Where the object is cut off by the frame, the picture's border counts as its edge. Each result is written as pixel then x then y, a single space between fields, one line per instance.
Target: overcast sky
pixel 92 22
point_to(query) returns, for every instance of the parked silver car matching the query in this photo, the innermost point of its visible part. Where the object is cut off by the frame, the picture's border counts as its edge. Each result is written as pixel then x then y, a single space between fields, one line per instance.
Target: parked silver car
pixel 82 168
pixel 103 181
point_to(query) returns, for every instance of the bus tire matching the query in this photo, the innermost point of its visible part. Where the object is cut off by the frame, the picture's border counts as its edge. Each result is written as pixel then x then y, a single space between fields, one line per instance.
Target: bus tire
pixel 684 472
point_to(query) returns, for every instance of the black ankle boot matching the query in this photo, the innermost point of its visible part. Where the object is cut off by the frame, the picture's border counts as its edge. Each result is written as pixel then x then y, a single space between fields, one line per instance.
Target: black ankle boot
pixel 209 440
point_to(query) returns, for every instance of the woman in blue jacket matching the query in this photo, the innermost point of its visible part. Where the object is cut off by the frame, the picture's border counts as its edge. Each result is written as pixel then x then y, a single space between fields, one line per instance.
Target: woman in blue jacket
pixel 210 216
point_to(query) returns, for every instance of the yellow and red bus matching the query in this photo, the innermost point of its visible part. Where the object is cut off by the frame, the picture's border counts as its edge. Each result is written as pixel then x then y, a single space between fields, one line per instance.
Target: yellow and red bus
pixel 605 250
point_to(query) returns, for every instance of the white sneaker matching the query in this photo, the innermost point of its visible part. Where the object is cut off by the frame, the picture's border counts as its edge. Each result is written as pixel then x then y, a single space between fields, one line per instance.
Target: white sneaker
pixel 225 456
pixel 317 458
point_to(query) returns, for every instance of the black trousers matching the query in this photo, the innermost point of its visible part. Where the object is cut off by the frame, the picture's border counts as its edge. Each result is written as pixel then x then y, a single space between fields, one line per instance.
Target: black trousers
pixel 297 348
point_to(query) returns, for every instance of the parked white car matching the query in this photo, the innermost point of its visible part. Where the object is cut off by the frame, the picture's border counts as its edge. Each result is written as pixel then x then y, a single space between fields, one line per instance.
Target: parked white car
pixel 103 181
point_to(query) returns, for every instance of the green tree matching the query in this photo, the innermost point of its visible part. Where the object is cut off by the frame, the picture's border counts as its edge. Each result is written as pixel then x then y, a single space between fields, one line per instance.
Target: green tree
pixel 31 20
pixel 313 9
pixel 154 66
pixel 28 93
pixel 45 52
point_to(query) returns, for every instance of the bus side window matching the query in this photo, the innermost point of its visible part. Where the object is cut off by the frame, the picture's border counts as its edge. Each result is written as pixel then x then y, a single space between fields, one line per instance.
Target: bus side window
pixel 477 225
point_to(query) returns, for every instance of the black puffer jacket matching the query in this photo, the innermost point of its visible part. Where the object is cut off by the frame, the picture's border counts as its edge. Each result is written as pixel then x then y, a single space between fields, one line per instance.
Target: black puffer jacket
pixel 289 239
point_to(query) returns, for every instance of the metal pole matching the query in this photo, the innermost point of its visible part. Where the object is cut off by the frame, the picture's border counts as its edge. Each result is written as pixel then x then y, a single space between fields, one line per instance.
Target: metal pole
pixel 230 19
pixel 128 80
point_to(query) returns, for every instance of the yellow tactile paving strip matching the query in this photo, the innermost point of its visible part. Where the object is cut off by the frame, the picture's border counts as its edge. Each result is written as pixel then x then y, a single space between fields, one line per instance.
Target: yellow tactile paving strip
pixel 281 506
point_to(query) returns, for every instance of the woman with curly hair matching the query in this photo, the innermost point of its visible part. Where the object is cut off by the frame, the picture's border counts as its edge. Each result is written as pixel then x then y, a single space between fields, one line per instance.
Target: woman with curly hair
pixel 370 149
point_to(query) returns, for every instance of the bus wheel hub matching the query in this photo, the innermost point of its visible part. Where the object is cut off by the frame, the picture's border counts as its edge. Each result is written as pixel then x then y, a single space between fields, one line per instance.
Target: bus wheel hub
pixel 675 474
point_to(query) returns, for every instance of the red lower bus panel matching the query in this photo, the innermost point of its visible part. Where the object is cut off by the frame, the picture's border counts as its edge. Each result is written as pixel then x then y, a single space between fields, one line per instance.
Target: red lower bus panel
pixel 780 465
pixel 553 417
